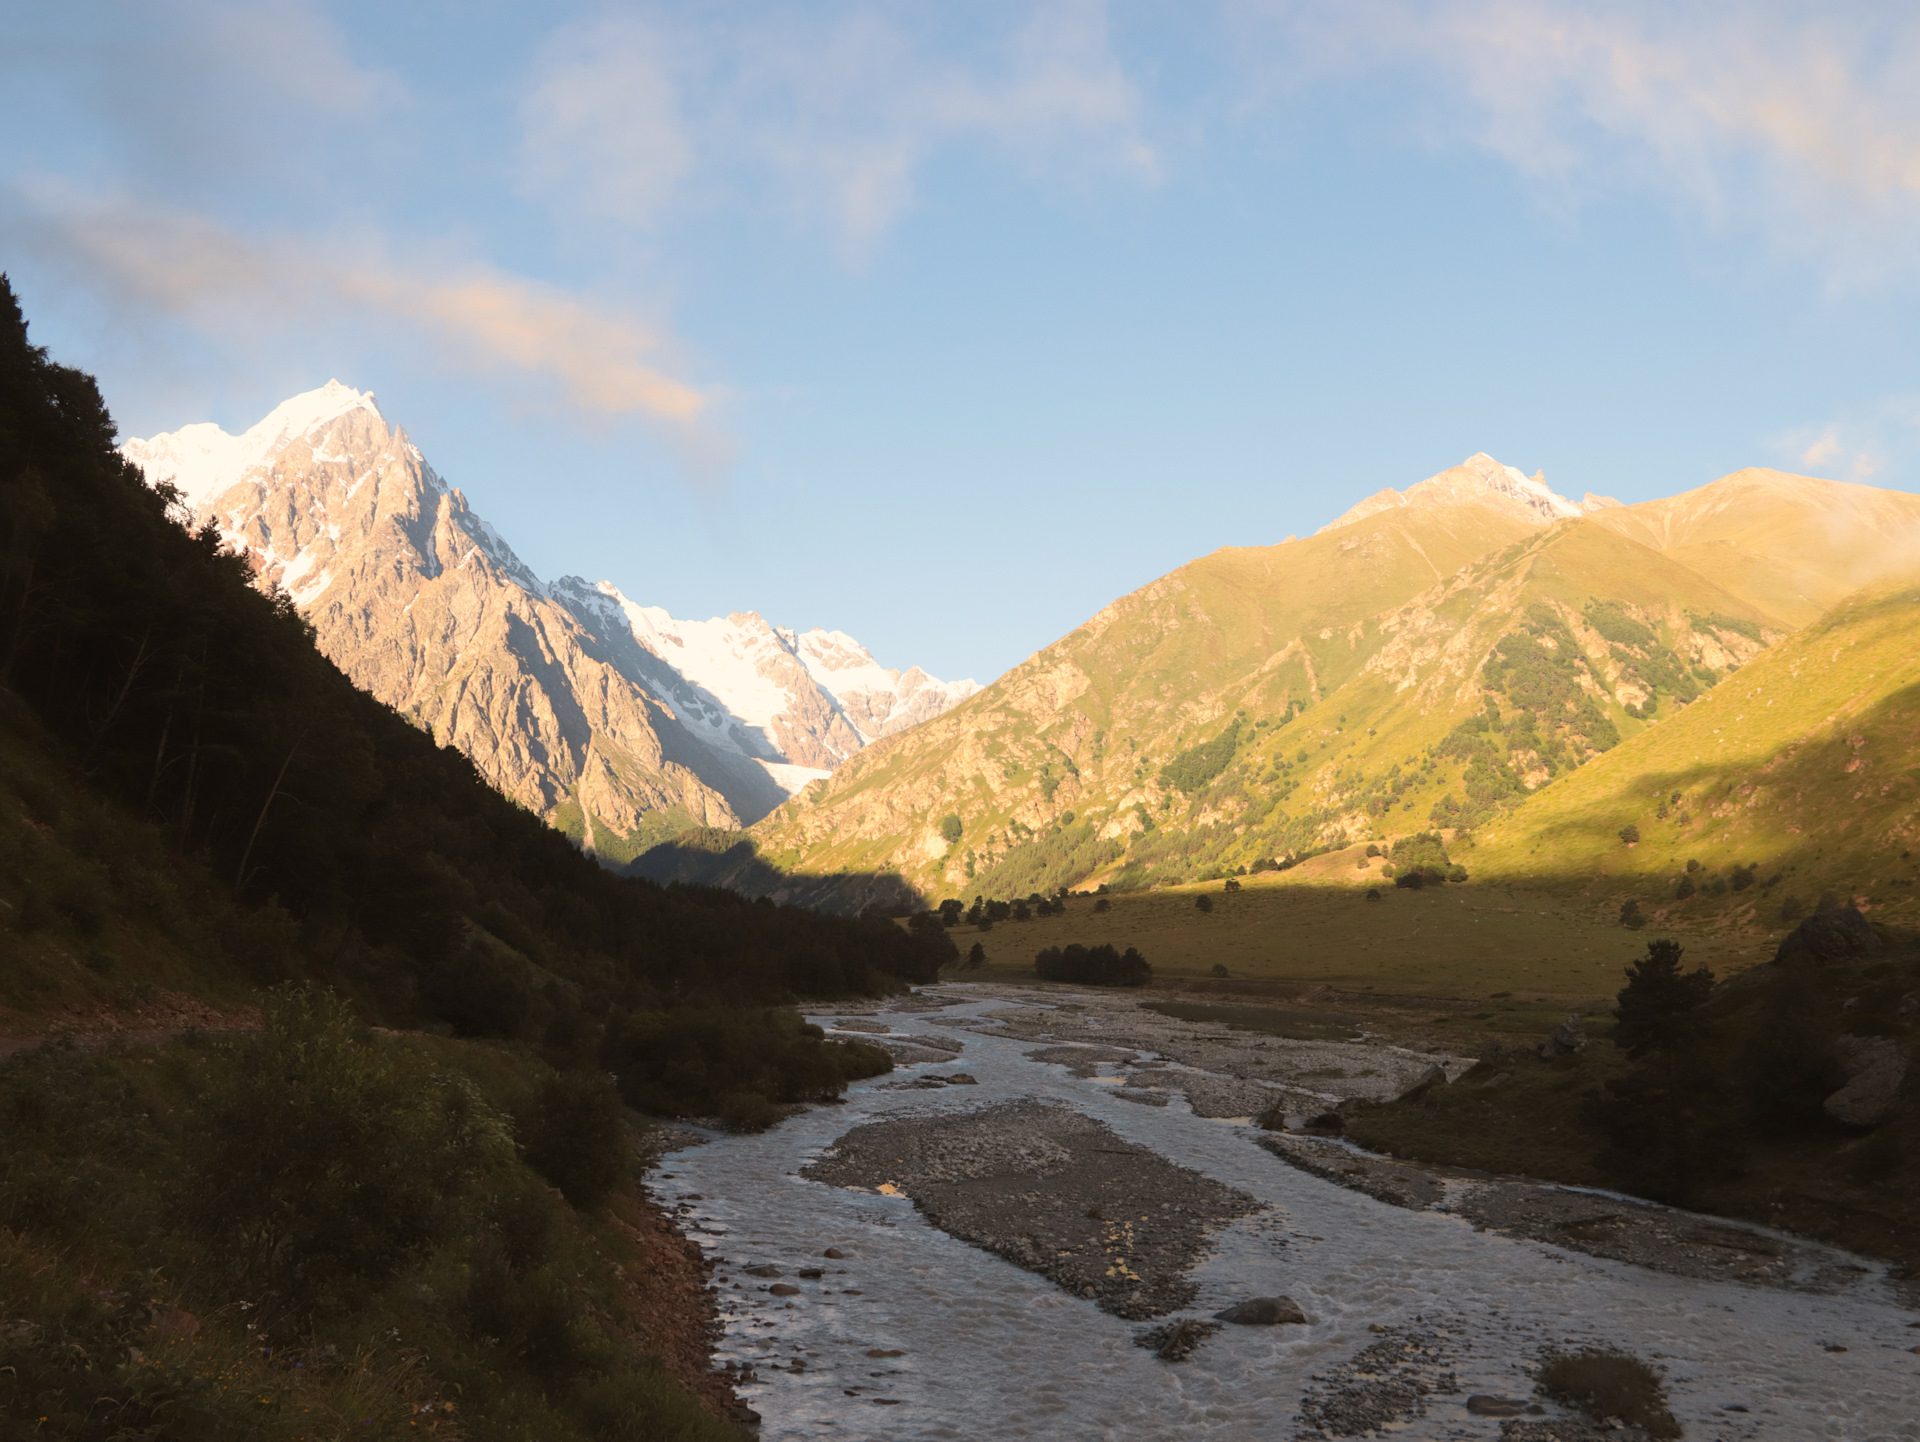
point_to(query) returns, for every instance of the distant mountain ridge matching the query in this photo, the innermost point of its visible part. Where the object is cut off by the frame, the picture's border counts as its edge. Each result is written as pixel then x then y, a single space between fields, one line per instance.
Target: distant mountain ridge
pixel 1430 660
pixel 614 720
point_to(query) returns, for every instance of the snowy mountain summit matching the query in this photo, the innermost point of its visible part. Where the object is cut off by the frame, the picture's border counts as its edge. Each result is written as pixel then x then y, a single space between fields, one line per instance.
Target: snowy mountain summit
pixel 1480 480
pixel 614 720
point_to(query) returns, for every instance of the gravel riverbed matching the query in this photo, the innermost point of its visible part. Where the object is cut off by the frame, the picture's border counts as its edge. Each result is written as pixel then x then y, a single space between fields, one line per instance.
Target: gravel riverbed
pixel 915 1263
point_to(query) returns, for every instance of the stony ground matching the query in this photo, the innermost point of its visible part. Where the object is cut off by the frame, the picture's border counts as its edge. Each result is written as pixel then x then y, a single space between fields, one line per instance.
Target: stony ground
pixel 1222 1071
pixel 1049 1190
pixel 1681 1243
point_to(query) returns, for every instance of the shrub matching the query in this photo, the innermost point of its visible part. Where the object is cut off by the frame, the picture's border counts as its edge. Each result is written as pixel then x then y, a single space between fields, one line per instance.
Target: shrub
pixel 950 828
pixel 1630 916
pixel 1792 908
pixel 1203 902
pixel 1373 893
pixel 1630 834
pixel 575 1136
pixel 1683 889
pixel 1219 970
pixel 320 1161
pixel 1610 1386
pixel 1102 904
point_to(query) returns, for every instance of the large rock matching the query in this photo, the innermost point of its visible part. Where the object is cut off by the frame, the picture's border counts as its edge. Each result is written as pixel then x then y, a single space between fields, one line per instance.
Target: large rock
pixel 1262 1312
pixel 1567 1038
pixel 1875 1069
pixel 1838 935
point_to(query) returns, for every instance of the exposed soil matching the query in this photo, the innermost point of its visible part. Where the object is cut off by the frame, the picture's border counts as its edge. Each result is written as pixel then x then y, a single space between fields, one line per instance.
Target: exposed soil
pixel 1051 1191
pixel 158 1018
pixel 667 1291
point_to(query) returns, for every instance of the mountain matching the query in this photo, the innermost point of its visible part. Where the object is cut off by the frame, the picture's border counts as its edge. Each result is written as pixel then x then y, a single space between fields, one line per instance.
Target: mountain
pixel 1429 660
pixel 1793 779
pixel 615 721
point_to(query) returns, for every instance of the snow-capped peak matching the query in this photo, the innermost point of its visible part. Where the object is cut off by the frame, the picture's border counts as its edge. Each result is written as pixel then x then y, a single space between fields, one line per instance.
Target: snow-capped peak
pixel 202 460
pixel 1479 480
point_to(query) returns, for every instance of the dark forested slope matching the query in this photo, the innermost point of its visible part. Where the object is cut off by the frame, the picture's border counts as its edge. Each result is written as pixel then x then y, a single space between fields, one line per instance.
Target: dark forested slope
pixel 191 777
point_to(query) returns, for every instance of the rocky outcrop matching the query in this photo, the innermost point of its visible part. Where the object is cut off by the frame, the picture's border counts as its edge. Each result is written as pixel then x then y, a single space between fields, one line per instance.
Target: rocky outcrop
pixel 1838 935
pixel 1874 1069
pixel 1566 1039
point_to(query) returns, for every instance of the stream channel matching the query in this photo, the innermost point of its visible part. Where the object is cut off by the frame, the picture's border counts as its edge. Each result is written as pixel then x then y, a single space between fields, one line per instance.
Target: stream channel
pixel 917 1334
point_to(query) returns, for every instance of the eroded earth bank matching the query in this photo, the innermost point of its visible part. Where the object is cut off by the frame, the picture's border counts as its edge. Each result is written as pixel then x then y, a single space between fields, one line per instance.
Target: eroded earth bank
pixel 1029 1228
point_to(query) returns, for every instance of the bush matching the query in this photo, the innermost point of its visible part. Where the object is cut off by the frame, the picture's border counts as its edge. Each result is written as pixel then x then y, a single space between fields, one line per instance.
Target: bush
pixel 1203 902
pixel 683 1062
pixel 1093 966
pixel 1683 889
pixel 1219 970
pixel 575 1136
pixel 950 828
pixel 319 1161
pixel 1630 916
pixel 1792 908
pixel 1611 1386
pixel 1630 834
pixel 1102 904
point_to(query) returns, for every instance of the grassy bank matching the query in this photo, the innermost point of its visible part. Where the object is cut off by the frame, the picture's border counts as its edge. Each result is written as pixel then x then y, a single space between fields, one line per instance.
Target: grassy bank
pixel 314 1231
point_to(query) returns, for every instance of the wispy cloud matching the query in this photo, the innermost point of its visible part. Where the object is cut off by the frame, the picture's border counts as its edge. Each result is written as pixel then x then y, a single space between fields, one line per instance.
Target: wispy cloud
pixel 842 109
pixel 1864 444
pixel 1805 118
pixel 146 258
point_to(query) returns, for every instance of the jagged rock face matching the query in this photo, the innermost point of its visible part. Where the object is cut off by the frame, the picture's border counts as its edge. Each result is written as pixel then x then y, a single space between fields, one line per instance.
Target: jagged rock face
pixel 564 696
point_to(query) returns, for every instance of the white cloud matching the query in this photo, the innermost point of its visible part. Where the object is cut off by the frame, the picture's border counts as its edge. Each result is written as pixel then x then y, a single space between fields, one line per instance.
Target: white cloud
pixel 601 123
pixel 1876 443
pixel 146 259
pixel 1807 119
pixel 840 110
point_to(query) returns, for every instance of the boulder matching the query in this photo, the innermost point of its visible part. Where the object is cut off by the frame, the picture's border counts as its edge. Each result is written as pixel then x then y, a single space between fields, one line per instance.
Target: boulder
pixel 1837 935
pixel 784 1289
pixel 1567 1038
pixel 1482 1405
pixel 1874 1069
pixel 1262 1312
pixel 1432 1077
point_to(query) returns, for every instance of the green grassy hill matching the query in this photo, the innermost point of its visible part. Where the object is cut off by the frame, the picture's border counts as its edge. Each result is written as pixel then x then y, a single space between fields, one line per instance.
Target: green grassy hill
pixel 1798 776
pixel 1419 667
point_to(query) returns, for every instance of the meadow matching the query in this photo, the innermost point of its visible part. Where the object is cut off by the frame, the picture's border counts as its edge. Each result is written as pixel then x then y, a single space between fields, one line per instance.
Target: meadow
pixel 1541 946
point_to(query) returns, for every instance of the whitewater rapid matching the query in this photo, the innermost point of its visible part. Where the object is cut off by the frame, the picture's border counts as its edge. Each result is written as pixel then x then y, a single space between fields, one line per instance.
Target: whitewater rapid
pixel 987 1350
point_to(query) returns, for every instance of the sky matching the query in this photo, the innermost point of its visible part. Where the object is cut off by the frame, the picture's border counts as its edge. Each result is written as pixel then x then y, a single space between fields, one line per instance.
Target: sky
pixel 946 323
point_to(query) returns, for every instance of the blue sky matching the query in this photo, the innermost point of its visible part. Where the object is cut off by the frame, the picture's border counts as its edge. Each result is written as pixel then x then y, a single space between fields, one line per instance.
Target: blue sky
pixel 946 324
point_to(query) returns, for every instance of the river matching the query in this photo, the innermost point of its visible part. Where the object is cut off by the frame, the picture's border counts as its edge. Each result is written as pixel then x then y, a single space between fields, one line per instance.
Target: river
pixel 987 1350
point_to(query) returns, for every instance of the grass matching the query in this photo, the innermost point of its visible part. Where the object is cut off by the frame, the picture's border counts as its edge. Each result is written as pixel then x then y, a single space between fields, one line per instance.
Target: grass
pixel 1550 949
pixel 1515 1113
pixel 1611 1386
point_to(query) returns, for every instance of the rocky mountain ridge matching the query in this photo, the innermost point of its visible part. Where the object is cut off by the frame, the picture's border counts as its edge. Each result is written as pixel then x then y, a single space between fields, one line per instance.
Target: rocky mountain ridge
pixel 616 721
pixel 1429 661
